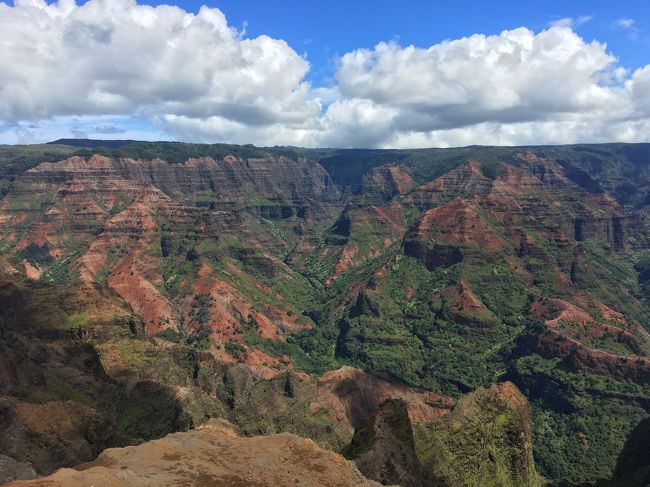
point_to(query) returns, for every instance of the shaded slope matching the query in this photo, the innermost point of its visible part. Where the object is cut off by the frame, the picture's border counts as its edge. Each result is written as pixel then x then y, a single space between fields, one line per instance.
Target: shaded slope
pixel 383 447
pixel 58 405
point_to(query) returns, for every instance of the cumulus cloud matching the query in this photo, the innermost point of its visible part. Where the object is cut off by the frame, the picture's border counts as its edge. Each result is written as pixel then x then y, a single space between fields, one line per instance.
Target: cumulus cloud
pixel 118 57
pixel 638 88
pixel 515 87
pixel 92 68
pixel 515 76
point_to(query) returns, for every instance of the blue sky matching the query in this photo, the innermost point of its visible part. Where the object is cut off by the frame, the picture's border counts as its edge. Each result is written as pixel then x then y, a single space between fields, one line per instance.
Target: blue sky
pixel 353 74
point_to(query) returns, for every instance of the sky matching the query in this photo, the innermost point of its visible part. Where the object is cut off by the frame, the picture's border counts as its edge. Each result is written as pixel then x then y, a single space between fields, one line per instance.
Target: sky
pixel 336 74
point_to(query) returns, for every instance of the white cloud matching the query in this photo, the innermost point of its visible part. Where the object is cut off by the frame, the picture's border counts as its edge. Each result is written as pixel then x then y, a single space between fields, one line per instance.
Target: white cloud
pixel 117 57
pixel 514 87
pixel 583 19
pixel 628 26
pixel 515 75
pixel 96 69
pixel 570 21
pixel 624 23
pixel 638 88
pixel 563 22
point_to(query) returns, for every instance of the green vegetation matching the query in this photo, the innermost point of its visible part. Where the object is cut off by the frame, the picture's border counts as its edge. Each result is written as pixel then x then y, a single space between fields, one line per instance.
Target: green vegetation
pixel 642 267
pixel 367 300
pixel 483 441
pixel 580 419
pixel 291 348
pixel 578 447
pixel 236 350
pixel 61 271
pixel 36 255
pixel 176 152
pixel 121 203
pixel 169 335
pixel 16 159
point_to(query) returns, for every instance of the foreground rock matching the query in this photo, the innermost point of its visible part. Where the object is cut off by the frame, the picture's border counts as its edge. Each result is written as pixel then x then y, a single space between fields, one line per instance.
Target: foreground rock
pixel 214 454
pixel 11 469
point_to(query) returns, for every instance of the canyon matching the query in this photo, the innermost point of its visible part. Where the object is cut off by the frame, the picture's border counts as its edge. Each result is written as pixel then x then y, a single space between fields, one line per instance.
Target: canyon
pixel 316 292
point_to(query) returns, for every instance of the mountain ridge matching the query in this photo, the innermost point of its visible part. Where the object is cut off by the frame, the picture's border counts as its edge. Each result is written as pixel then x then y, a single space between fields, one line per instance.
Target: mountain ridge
pixel 448 269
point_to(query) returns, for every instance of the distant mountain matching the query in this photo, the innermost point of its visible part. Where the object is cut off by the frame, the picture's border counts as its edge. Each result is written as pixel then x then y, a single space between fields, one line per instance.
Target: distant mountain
pixel 91 143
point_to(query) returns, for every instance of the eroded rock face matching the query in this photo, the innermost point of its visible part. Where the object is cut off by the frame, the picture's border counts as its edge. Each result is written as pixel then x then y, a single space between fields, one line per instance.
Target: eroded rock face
pixel 485 440
pixel 351 394
pixel 278 179
pixel 467 209
pixel 132 224
pixel 383 447
pixel 386 182
pixel 579 357
pixel 214 454
pixel 10 470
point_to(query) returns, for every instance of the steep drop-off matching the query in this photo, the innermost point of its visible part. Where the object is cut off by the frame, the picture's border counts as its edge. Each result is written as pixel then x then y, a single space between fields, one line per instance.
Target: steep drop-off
pixel 245 273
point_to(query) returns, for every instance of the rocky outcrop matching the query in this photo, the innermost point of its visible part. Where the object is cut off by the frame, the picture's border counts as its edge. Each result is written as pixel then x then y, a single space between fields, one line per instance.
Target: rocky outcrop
pixel 10 470
pixel 213 454
pixel 54 433
pixel 466 180
pixel 462 306
pixel 433 255
pixel 351 395
pixel 579 357
pixel 385 182
pixel 496 423
pixel 485 440
pixel 458 222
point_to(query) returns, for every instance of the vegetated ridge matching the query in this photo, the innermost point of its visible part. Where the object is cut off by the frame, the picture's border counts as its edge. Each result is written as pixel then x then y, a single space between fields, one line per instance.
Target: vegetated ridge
pixel 234 272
